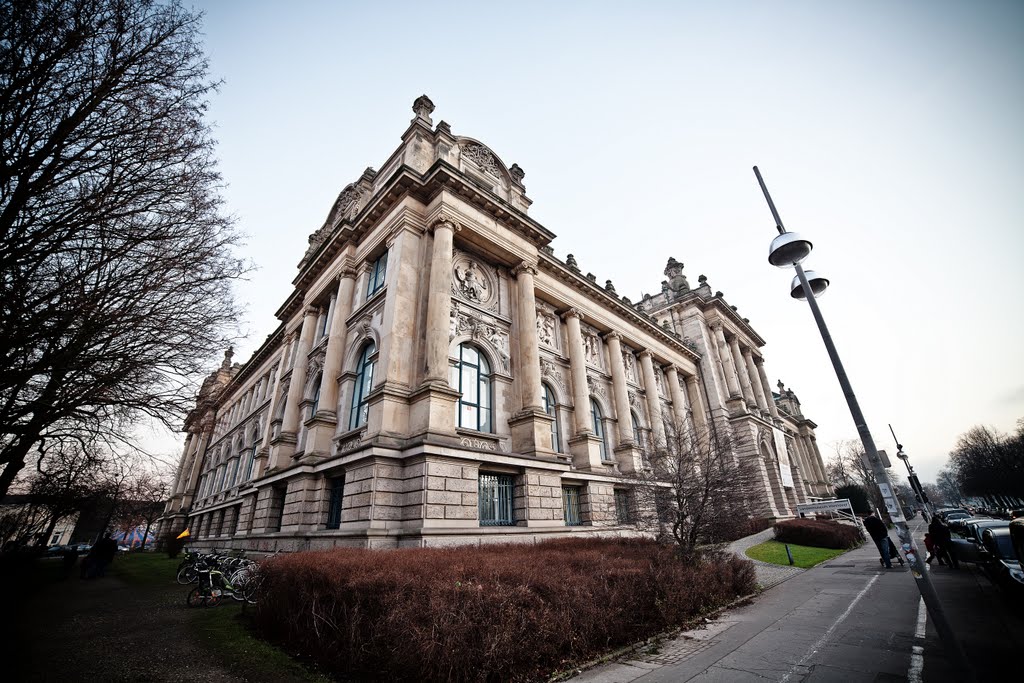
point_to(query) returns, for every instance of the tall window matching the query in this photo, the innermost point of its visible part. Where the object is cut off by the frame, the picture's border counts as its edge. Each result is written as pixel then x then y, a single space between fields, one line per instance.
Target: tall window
pixel 637 434
pixel 276 508
pixel 595 413
pixel 364 382
pixel 495 496
pixel 220 479
pixel 336 486
pixel 234 472
pixel 571 505
pixel 317 381
pixel 550 408
pixel 472 377
pixel 377 272
pixel 251 459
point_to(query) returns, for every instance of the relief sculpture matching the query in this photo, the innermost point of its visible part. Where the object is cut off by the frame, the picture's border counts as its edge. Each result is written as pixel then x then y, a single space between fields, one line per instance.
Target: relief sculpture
pixel 545 329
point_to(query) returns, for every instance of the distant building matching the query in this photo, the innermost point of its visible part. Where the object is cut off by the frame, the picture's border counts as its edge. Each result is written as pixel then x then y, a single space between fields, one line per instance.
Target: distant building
pixel 440 377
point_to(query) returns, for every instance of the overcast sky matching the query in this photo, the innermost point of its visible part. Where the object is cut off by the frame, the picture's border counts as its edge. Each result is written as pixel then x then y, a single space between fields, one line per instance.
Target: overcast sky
pixel 889 134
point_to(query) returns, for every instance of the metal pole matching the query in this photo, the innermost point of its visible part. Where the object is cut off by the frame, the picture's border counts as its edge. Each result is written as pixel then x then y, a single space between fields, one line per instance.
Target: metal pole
pixel 917 565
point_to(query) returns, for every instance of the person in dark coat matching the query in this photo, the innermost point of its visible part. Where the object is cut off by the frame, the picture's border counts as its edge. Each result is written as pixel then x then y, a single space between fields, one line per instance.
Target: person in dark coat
pixel 105 549
pixel 880 535
pixel 943 540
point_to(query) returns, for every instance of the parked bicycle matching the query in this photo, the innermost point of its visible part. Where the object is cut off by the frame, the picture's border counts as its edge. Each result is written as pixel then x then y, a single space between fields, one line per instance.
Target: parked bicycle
pixel 218 576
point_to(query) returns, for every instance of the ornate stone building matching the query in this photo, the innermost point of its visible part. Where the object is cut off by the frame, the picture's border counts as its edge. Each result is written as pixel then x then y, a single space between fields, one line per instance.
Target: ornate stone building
pixel 439 376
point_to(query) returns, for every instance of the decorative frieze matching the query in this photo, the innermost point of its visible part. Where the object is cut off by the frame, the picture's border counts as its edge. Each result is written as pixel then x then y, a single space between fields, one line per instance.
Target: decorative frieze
pixel 481 328
pixel 546 329
pixel 481 156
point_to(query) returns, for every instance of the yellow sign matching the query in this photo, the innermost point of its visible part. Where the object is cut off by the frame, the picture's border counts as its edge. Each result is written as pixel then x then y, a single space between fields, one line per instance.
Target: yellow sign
pixel 184 534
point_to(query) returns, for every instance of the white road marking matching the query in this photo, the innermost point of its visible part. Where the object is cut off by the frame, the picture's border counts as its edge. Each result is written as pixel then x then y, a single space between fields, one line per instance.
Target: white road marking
pixel 824 638
pixel 917 651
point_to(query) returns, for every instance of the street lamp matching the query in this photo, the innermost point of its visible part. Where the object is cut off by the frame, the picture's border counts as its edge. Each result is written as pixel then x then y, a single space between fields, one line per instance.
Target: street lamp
pixel 915 483
pixel 789 249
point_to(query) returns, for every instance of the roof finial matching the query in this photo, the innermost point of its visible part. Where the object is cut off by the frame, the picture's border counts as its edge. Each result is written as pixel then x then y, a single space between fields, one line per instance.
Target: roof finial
pixel 423 107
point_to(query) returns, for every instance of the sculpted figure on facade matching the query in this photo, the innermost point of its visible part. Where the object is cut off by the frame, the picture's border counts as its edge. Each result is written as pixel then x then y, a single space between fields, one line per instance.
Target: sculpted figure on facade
pixel 629 365
pixel 546 329
pixel 472 284
pixel 591 349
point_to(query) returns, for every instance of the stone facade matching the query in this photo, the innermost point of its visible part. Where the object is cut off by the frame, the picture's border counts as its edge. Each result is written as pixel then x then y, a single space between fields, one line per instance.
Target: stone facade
pixel 440 377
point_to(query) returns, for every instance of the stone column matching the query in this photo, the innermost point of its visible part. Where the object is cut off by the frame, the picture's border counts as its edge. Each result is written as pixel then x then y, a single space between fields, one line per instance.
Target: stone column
pixel 700 417
pixel 678 404
pixel 578 370
pixel 755 381
pixel 439 301
pixel 336 344
pixel 653 402
pixel 619 392
pixel 773 410
pixel 290 424
pixel 183 466
pixel 741 367
pixel 726 360
pixel 529 351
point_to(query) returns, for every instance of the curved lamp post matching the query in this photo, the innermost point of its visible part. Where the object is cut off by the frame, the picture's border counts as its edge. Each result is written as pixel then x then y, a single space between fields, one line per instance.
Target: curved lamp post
pixel 787 250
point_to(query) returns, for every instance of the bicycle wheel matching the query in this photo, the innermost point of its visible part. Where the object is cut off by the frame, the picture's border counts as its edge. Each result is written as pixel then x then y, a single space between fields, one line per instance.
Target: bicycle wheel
pixel 186 575
pixel 196 597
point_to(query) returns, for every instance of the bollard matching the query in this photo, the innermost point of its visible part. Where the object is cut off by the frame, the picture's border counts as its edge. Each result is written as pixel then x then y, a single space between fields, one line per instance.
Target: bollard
pixel 789 554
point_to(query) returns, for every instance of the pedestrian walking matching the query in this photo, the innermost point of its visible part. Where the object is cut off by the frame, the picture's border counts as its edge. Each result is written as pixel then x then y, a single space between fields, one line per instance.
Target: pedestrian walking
pixel 942 538
pixel 929 544
pixel 880 535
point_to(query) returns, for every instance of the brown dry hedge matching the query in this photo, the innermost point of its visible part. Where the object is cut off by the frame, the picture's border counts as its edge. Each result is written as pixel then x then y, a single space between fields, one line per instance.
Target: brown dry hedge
pixel 496 612
pixel 818 533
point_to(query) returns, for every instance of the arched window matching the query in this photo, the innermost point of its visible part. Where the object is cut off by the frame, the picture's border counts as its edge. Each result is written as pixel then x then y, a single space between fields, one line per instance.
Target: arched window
pixel 252 458
pixel 364 381
pixel 637 434
pixel 472 378
pixel 595 413
pixel 550 408
pixel 317 381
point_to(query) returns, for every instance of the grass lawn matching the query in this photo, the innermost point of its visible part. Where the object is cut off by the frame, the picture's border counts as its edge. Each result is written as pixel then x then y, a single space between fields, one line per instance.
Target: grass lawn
pixel 223 630
pixel 804 556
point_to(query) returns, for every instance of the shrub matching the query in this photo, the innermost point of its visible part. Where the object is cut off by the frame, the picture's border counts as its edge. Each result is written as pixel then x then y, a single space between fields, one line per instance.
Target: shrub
pixel 499 612
pixel 858 495
pixel 818 533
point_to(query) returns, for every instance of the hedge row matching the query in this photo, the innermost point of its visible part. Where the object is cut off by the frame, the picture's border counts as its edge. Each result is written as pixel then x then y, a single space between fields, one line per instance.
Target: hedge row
pixel 818 533
pixel 496 612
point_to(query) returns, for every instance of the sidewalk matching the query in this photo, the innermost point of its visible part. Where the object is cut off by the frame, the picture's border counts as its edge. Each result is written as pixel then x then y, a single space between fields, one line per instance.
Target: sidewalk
pixel 768 575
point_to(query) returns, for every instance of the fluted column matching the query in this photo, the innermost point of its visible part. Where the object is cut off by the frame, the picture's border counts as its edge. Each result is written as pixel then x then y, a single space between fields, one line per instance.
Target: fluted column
pixel 653 402
pixel 755 380
pixel 619 391
pixel 439 300
pixel 183 468
pixel 290 424
pixel 741 367
pixel 726 360
pixel 529 346
pixel 678 404
pixel 773 410
pixel 700 416
pixel 336 343
pixel 578 369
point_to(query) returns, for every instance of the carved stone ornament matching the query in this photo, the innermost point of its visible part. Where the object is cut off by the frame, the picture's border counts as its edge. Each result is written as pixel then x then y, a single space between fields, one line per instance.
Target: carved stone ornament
pixel 423 107
pixel 474 282
pixel 629 365
pixel 481 328
pixel 517 173
pixel 676 283
pixel 546 329
pixel 316 364
pixel 659 381
pixel 591 349
pixel 595 386
pixel 446 221
pixel 634 400
pixel 524 267
pixel 481 156
pixel 350 202
pixel 549 370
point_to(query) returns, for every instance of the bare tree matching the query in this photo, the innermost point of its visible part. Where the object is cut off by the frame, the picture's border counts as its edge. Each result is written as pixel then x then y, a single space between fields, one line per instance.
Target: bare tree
pixel 67 479
pixel 693 490
pixel 142 500
pixel 115 257
pixel 986 462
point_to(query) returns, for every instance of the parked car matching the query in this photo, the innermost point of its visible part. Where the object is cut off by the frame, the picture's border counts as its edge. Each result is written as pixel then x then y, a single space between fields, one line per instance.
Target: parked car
pixel 948 511
pixel 1003 568
pixel 970 546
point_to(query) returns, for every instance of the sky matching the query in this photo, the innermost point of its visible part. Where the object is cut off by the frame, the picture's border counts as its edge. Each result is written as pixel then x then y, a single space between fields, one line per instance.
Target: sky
pixel 888 133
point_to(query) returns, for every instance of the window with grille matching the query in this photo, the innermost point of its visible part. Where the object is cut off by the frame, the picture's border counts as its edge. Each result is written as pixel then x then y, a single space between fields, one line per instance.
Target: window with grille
pixel 364 382
pixel 495 499
pixel 472 378
pixel 623 511
pixel 336 486
pixel 550 408
pixel 571 505
pixel 377 272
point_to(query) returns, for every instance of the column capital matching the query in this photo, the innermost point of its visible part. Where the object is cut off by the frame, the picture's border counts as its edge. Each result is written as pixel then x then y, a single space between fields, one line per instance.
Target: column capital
pixel 612 335
pixel 671 367
pixel 715 325
pixel 645 354
pixel 445 220
pixel 347 272
pixel 572 313
pixel 525 267
pixel 310 310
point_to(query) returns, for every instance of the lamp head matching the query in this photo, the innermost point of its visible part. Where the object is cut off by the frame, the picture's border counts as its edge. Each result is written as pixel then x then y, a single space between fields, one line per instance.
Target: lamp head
pixel 788 249
pixel 818 285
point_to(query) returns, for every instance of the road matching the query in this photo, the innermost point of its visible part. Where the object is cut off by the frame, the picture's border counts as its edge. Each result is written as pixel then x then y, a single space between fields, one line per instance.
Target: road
pixel 847 620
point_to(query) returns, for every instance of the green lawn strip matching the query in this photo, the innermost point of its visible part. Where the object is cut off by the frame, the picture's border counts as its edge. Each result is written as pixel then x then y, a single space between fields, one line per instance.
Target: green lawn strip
pixel 224 631
pixel 804 556
pixel 145 568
